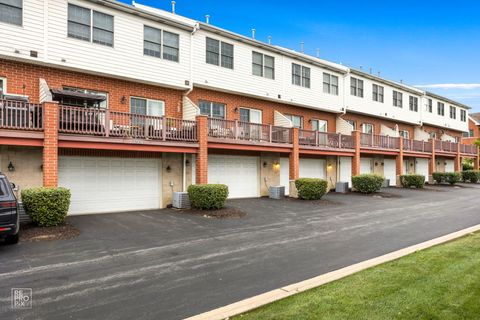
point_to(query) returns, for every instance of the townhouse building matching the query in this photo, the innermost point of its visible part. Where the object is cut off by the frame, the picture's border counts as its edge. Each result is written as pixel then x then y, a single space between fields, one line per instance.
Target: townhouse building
pixel 473 133
pixel 125 104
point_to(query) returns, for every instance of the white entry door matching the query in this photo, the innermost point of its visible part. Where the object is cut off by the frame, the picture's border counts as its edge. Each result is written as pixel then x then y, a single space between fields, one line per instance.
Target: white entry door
pixel 285 174
pixel 366 165
pixel 313 168
pixel 421 167
pixel 239 173
pixel 101 184
pixel 449 166
pixel 345 165
pixel 390 171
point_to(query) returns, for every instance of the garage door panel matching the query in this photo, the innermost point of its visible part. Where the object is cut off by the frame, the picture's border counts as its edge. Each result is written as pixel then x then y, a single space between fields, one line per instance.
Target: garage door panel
pixel 312 168
pixel 110 184
pixel 390 171
pixel 239 173
pixel 365 165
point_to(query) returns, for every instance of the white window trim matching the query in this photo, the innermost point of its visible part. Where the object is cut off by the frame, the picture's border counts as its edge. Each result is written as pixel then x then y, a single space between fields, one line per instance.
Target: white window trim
pixel 4 86
pixel 210 115
pixel 320 121
pixel 147 100
pixel 162 39
pixel 91 26
pixel 404 131
pixel 364 125
pixel 23 19
pixel 250 110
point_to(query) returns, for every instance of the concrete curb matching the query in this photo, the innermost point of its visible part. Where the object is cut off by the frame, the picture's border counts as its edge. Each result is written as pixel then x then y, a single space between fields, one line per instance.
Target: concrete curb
pixel 277 294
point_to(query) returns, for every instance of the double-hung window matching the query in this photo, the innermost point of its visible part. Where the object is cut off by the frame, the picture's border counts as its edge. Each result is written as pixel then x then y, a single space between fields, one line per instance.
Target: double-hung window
pixel 356 87
pixel 212 109
pixel 90 25
pixel 367 128
pixel 297 121
pixel 377 93
pixel 11 11
pixel 463 115
pixel 219 53
pixel 3 86
pixel 147 107
pixel 453 112
pixel 440 108
pixel 353 124
pixel 250 115
pixel 413 103
pixel 153 45
pixel 300 75
pixel 397 99
pixel 320 125
pixel 429 105
pixel 404 134
pixel 330 84
pixel 263 65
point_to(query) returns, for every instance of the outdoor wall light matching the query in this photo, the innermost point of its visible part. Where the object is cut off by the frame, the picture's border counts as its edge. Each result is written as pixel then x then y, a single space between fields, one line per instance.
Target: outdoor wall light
pixel 376 164
pixel 169 169
pixel 329 166
pixel 236 109
pixel 265 164
pixel 123 99
pixel 11 167
pixel 187 162
pixel 276 166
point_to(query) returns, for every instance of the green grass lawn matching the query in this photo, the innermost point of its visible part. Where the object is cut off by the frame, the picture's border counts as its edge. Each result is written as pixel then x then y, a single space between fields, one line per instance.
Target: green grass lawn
pixel 442 282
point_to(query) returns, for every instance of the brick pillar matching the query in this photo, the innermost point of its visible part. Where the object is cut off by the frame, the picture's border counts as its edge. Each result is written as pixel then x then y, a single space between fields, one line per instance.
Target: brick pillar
pixel 201 173
pixel 458 159
pixel 294 162
pixel 356 157
pixel 433 163
pixel 50 144
pixel 399 162
pixel 476 160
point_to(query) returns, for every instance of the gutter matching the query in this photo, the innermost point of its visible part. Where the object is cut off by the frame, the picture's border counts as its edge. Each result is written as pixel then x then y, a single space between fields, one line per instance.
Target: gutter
pixel 195 29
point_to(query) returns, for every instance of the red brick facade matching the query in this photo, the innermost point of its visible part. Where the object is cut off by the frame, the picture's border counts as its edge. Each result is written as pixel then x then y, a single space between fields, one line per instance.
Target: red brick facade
pixel 233 101
pixel 50 145
pixel 377 123
pixel 24 78
pixel 201 174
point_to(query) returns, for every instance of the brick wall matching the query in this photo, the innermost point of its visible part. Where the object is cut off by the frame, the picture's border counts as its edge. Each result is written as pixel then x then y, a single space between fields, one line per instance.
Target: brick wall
pixel 440 131
pixel 233 101
pixel 361 119
pixel 50 145
pixel 20 75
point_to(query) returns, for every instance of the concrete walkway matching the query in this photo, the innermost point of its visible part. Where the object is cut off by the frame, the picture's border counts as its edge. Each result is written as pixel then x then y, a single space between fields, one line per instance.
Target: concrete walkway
pixel 164 265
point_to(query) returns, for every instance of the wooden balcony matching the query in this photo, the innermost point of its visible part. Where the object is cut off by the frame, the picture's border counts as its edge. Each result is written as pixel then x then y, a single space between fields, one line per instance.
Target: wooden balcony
pixel 18 115
pixel 325 140
pixel 239 132
pixel 417 146
pixel 375 141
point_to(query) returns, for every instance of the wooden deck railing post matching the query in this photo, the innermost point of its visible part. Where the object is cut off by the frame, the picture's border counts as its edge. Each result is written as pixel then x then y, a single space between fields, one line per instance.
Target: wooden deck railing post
pixel 50 144
pixel 270 133
pixel 164 128
pixel 340 141
pixel 235 128
pixel 107 123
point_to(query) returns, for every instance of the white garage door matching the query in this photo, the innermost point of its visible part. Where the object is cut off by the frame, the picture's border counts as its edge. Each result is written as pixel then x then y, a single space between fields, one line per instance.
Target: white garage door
pixel 110 184
pixel 345 170
pixel 421 167
pixel 285 174
pixel 365 165
pixel 239 173
pixel 449 166
pixel 312 168
pixel 390 171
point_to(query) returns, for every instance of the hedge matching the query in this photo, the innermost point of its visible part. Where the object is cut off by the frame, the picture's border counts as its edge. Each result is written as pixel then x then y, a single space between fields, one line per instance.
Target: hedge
pixel 412 180
pixel 208 196
pixel 447 177
pixel 47 207
pixel 367 183
pixel 472 176
pixel 311 188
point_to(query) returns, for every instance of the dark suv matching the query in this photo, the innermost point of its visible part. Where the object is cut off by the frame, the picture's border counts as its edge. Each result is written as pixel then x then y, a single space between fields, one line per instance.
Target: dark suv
pixel 9 213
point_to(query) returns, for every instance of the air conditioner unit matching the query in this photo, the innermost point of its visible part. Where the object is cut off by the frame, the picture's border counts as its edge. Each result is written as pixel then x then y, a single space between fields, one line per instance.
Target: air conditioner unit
pixel 276 192
pixel 386 183
pixel 181 200
pixel 341 187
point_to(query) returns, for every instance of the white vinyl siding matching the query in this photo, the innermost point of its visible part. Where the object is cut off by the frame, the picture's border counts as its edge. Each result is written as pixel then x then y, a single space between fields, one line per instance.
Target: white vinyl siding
pixel 397 99
pixel 377 93
pixel 330 84
pixel 219 53
pixel 11 11
pixel 356 87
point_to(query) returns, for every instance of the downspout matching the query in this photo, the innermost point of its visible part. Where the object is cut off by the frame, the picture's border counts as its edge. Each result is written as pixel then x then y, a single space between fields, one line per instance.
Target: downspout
pixel 195 29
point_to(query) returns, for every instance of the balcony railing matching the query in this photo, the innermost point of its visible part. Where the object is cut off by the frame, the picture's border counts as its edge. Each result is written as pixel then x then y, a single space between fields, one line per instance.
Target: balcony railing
pixel 468 149
pixel 247 131
pixel 325 140
pixel 445 146
pixel 105 123
pixel 417 146
pixel 378 141
pixel 21 115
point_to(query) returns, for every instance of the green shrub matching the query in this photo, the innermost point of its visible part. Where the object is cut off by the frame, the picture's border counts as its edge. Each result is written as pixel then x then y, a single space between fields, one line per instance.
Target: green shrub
pixel 438 177
pixel 367 183
pixel 412 180
pixel 471 175
pixel 46 207
pixel 453 177
pixel 208 196
pixel 311 188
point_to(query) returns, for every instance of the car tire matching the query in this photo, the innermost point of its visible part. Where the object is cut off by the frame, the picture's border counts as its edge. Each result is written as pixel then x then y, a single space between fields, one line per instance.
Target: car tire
pixel 12 239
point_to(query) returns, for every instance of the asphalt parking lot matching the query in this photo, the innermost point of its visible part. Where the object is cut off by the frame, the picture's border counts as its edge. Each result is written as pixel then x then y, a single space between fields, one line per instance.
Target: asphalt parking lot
pixel 166 265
